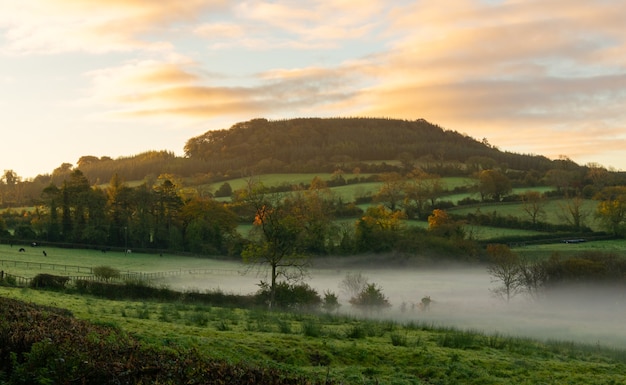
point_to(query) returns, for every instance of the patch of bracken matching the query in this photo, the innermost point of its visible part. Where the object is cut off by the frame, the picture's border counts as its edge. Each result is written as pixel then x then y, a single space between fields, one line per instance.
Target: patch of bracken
pixel 40 344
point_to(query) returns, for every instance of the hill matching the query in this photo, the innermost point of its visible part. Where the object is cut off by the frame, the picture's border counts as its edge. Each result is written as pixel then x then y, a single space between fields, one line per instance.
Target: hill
pixel 302 145
pixel 310 145
pixel 319 145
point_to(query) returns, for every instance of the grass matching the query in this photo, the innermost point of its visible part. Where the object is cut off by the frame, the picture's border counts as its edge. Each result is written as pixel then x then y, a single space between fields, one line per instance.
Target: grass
pixel 348 349
pixel 61 261
pixel 553 211
pixel 544 251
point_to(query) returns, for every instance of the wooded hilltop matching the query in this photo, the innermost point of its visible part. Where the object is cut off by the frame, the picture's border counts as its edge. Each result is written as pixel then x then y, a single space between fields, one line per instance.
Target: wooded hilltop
pixel 297 145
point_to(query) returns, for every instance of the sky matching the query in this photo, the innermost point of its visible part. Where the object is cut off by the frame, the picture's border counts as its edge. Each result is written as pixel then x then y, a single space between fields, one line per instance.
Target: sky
pixel 121 77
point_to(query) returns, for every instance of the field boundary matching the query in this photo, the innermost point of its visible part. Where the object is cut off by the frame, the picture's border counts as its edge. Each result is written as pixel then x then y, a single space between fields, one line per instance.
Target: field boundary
pixel 124 276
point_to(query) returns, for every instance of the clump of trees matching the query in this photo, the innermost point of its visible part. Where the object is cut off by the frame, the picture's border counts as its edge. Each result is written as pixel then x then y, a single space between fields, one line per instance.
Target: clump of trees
pixel 515 275
pixel 298 296
pixel 364 295
pixel 371 298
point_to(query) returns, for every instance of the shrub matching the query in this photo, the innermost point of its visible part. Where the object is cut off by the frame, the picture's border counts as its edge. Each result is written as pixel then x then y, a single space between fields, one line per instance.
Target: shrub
pixel 106 273
pixel 330 302
pixel 371 298
pixel 290 296
pixel 49 281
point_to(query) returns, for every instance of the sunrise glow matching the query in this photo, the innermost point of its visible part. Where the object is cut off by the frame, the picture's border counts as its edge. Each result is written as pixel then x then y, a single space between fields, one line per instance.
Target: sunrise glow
pixel 116 78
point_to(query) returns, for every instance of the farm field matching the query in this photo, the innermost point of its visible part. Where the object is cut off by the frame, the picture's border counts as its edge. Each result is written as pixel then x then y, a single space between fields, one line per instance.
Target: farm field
pixel 347 192
pixel 64 261
pixel 348 349
pixel 543 251
pixel 462 293
pixel 281 179
pixel 553 211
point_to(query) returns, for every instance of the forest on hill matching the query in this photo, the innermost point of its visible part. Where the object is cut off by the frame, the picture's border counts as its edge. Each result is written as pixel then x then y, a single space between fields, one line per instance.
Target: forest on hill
pixel 319 145
pixel 312 145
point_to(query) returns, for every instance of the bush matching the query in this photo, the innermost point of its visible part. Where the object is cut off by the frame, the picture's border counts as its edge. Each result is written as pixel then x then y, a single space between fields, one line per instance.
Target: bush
pixel 330 302
pixel 224 191
pixel 290 296
pixel 49 281
pixel 371 298
pixel 106 273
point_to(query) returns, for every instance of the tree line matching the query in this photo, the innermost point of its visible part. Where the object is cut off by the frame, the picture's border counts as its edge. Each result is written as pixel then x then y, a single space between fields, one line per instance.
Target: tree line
pixel 518 275
pixel 311 145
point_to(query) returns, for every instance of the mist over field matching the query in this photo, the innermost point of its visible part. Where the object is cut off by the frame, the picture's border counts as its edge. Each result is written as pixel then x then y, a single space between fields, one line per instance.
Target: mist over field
pixel 461 298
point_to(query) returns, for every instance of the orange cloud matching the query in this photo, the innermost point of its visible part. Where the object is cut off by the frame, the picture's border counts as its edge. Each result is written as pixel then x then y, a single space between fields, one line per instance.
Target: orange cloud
pixel 53 26
pixel 179 89
pixel 512 72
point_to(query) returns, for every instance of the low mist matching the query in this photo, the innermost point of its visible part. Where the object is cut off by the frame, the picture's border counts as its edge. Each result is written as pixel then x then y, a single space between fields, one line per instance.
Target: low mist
pixel 461 298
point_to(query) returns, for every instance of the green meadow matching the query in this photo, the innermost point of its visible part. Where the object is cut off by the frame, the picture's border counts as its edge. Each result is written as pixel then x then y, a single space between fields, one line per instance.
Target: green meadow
pixel 344 349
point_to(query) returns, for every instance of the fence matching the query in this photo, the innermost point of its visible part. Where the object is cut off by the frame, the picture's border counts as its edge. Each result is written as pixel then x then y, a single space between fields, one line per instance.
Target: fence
pixel 16 279
pixel 48 266
pixel 125 276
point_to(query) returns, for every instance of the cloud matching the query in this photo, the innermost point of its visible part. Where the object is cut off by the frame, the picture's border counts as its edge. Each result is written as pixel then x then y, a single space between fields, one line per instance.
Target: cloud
pixel 178 89
pixel 538 69
pixel 305 25
pixel 97 26
pixel 552 72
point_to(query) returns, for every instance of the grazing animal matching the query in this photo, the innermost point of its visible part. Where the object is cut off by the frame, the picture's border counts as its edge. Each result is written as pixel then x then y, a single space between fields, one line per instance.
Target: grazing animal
pixel 22 250
pixel 426 303
pixel 44 253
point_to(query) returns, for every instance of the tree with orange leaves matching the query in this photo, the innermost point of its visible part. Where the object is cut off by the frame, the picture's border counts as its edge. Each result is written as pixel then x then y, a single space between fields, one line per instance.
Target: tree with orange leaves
pixel 284 229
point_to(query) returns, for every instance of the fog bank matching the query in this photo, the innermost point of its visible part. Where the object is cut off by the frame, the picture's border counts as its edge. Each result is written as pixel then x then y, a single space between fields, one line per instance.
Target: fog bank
pixel 461 298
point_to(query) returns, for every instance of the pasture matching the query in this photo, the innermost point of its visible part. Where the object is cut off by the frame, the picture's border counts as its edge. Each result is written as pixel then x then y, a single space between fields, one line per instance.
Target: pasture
pixel 345 348
pixel 64 261
pixel 555 210
pixel 462 294
pixel 543 251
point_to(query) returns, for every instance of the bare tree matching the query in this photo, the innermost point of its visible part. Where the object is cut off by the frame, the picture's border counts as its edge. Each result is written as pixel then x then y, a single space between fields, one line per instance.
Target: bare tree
pixel 533 203
pixel 532 277
pixel 353 284
pixel 505 269
pixel 573 212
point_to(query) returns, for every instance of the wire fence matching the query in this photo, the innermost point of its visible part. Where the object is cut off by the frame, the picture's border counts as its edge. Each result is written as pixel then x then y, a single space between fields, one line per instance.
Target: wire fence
pixel 45 266
pixel 122 277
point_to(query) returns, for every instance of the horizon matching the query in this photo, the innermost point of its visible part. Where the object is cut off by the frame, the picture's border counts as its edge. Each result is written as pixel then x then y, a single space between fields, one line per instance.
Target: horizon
pixel 121 78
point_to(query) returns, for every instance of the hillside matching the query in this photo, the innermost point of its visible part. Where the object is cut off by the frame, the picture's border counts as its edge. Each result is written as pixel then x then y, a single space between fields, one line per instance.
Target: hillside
pixel 318 145
pixel 303 145
pixel 313 145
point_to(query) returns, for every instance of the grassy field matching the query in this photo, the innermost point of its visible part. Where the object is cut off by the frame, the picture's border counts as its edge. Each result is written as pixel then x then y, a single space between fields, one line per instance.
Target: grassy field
pixel 67 261
pixel 543 251
pixel 348 349
pixel 554 211
pixel 353 349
